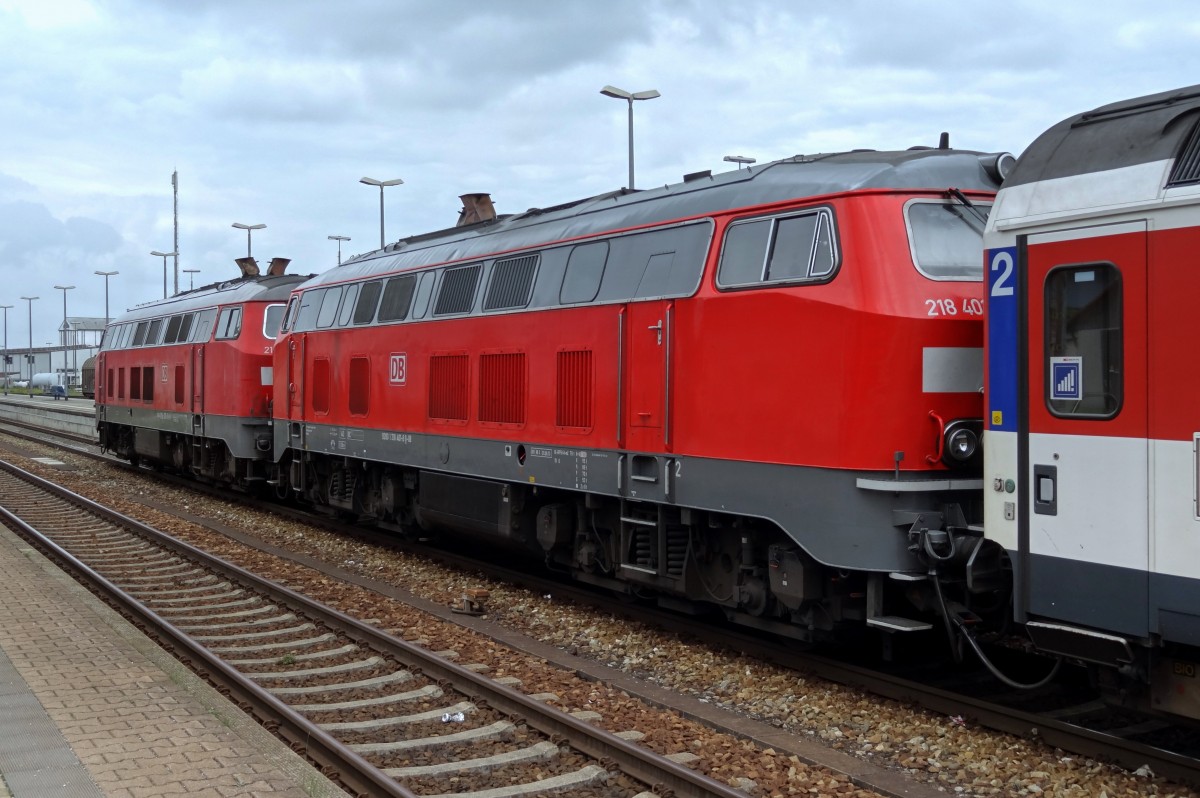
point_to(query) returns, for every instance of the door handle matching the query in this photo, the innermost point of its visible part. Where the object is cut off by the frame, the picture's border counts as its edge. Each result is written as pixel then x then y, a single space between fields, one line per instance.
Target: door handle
pixel 658 328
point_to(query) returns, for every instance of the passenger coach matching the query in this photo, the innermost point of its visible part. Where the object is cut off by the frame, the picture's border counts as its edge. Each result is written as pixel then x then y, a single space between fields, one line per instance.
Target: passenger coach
pixel 1093 420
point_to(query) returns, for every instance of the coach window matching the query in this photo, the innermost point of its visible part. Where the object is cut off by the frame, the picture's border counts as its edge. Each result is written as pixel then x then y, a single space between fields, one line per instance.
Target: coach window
pixel 946 238
pixel 349 299
pixel 229 323
pixel 139 335
pixel 329 307
pixel 585 270
pixel 368 300
pixel 397 296
pixel 1084 368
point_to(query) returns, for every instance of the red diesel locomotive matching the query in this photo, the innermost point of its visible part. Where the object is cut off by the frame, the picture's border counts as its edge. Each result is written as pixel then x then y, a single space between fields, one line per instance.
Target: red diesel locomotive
pixel 184 381
pixel 757 391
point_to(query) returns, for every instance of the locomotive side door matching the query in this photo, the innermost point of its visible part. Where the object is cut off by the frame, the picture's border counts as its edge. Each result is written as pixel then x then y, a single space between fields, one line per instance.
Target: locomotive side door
pixel 647 333
pixel 295 379
pixel 197 398
pixel 1084 536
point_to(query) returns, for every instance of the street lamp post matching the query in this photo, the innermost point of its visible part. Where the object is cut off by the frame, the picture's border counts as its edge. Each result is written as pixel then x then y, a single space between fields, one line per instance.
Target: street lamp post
pixel 106 275
pixel 630 96
pixel 248 228
pixel 30 300
pixel 5 308
pixel 191 280
pixel 740 160
pixel 64 288
pixel 164 256
pixel 340 239
pixel 370 181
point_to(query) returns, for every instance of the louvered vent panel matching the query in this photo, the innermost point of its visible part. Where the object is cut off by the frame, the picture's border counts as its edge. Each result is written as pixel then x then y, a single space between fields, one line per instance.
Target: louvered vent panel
pixel 574 404
pixel 511 283
pixel 458 290
pixel 1187 164
pixel 448 387
pixel 502 388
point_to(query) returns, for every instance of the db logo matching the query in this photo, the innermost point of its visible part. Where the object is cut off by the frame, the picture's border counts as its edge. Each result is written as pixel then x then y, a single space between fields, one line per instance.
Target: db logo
pixel 398 368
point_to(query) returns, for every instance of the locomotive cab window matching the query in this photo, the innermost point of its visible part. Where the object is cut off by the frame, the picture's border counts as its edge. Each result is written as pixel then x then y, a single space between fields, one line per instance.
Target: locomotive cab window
pixel 271 320
pixel 946 238
pixel 1084 369
pixel 289 318
pixel 785 249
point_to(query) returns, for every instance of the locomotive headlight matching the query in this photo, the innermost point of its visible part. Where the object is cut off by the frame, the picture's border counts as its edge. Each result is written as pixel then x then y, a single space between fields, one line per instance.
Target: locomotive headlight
pixel 962 443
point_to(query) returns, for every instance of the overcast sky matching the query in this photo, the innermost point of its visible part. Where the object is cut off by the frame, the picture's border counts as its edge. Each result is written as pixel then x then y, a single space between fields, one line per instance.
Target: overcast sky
pixel 271 111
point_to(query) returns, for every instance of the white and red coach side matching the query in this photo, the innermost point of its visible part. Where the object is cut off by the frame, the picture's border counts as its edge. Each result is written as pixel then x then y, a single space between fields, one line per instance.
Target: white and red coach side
pixel 747 389
pixel 185 381
pixel 1093 397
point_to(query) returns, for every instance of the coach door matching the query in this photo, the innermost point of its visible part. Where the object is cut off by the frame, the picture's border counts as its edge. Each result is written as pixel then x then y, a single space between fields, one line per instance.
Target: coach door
pixel 1084 530
pixel 647 332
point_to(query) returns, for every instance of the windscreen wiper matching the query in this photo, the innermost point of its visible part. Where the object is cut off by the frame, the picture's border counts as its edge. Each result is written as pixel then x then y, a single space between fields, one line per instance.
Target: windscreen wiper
pixel 961 197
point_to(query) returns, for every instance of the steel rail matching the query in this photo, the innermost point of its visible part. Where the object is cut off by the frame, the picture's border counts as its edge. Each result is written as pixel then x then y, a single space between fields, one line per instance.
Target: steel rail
pixel 1122 752
pixel 640 763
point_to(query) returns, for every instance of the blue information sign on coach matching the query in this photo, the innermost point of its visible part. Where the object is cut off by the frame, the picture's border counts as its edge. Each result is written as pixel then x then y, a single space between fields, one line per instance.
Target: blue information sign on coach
pixel 1002 339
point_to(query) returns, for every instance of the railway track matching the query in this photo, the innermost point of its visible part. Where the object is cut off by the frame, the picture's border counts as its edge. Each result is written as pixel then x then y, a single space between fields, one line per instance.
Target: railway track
pixel 1084 728
pixel 377 714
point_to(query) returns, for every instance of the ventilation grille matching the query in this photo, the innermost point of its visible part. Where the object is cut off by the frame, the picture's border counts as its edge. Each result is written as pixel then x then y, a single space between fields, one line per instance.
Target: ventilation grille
pixel 574 403
pixel 448 387
pixel 1186 170
pixel 360 385
pixel 458 290
pixel 502 388
pixel 511 283
pixel 320 385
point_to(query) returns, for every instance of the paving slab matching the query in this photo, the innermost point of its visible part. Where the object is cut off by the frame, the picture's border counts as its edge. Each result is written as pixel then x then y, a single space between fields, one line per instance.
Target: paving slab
pixel 90 707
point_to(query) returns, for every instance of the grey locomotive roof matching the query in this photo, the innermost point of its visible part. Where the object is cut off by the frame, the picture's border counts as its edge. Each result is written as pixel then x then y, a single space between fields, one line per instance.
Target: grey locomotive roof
pixel 228 293
pixel 1127 133
pixel 797 177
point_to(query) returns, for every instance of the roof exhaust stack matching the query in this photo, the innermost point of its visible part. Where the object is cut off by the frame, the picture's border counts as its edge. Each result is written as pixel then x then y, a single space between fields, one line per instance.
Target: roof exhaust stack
pixel 944 141
pixel 278 266
pixel 476 208
pixel 248 265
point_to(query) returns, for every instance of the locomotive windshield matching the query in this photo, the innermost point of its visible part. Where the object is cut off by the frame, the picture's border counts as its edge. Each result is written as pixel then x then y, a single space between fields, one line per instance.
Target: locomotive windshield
pixel 946 238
